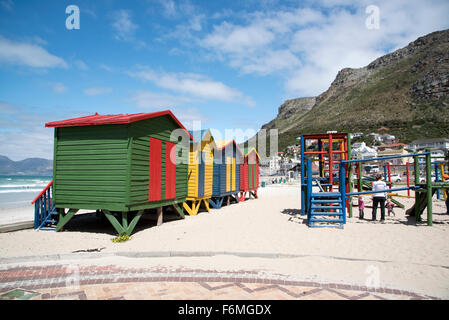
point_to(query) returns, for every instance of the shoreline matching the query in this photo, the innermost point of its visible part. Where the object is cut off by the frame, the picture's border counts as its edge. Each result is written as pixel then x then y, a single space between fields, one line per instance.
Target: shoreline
pixel 18 214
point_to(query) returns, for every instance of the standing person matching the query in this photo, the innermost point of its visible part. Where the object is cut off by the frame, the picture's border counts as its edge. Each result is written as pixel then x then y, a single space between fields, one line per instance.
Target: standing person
pixel 379 198
pixel 446 177
pixel 361 207
pixel 390 205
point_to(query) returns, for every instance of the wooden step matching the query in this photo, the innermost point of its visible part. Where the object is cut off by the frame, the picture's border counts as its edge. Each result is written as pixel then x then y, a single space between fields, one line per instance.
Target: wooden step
pixel 326 194
pixel 325 201
pixel 326 207
pixel 326 220
pixel 326 214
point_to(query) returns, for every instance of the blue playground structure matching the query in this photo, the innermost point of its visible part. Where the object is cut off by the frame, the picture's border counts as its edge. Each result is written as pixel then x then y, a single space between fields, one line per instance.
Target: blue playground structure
pixel 327 195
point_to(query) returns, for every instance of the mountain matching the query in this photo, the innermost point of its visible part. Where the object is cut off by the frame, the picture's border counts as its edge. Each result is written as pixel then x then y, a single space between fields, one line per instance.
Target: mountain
pixel 404 93
pixel 30 166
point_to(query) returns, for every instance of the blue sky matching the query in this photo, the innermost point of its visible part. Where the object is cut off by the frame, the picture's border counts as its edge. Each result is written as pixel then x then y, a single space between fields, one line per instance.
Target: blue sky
pixel 228 64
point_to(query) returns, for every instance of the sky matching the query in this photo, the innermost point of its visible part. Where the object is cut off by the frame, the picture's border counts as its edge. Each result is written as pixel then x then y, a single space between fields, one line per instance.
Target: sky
pixel 226 65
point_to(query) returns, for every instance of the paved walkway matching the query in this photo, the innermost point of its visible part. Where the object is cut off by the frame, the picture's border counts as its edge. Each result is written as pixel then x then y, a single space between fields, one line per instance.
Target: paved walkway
pixel 117 282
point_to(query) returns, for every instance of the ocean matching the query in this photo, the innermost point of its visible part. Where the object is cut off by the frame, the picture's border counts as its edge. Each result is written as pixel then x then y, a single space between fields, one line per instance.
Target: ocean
pixel 19 191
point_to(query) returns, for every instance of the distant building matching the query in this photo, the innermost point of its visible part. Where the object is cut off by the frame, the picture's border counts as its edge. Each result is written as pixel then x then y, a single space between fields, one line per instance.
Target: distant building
pixel 386 152
pixel 310 143
pixel 385 138
pixel 274 164
pixel 362 151
pixel 294 148
pixel 392 146
pixel 294 151
pixel 356 135
pixel 434 143
pixel 437 155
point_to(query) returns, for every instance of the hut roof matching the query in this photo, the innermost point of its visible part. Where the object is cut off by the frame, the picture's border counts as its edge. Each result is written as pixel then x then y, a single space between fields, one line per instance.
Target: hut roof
pixel 224 143
pixel 200 135
pixel 247 151
pixel 98 119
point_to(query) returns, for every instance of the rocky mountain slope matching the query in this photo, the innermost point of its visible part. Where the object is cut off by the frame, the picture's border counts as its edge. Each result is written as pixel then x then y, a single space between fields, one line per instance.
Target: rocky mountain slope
pixel 404 93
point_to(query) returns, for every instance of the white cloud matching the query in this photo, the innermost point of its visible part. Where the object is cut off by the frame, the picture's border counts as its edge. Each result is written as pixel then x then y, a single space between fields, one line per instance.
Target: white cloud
pixel 169 7
pixel 190 117
pixel 89 12
pixel 123 26
pixel 195 85
pixel 106 67
pixel 262 45
pixel 23 133
pixel 7 4
pixel 26 54
pixel 186 31
pixel 344 41
pixel 39 41
pixel 97 91
pixel 59 88
pixel 267 62
pixel 81 65
pixel 307 46
pixel 35 142
pixel 195 22
pixel 229 38
pixel 177 9
pixel 7 108
pixel 149 99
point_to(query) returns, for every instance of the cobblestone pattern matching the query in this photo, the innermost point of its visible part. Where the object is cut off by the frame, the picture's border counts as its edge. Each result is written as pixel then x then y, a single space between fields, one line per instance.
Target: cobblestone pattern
pixel 114 282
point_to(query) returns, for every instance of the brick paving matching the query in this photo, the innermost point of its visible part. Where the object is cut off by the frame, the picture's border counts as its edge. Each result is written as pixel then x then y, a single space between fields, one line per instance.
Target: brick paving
pixel 117 283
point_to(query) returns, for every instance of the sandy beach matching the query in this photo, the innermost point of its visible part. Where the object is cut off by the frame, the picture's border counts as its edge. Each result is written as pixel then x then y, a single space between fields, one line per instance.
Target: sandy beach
pixel 267 235
pixel 13 215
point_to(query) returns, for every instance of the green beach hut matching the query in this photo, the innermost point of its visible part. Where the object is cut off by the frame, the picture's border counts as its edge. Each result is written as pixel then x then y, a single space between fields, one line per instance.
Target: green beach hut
pixel 119 164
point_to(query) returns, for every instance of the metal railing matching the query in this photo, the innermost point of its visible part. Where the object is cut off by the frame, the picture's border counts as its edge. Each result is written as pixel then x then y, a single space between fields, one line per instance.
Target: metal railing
pixel 43 206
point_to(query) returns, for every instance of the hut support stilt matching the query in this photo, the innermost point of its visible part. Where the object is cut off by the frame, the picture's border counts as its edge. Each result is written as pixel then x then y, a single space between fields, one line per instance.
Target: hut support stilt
pixel 178 210
pixel 206 204
pixel 123 228
pixel 65 217
pixel 160 217
pixel 216 202
pixel 196 204
pixel 242 195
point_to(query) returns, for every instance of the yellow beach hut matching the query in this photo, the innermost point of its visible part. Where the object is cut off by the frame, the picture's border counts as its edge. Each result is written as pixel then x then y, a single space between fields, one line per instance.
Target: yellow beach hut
pixel 200 171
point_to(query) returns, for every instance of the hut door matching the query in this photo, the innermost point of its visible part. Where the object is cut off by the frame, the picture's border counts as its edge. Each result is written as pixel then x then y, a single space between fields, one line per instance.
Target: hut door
pixel 154 185
pixel 201 172
pixel 228 174
pixel 246 176
pixel 157 163
pixel 257 175
pixel 233 174
pixel 170 170
pixel 249 175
